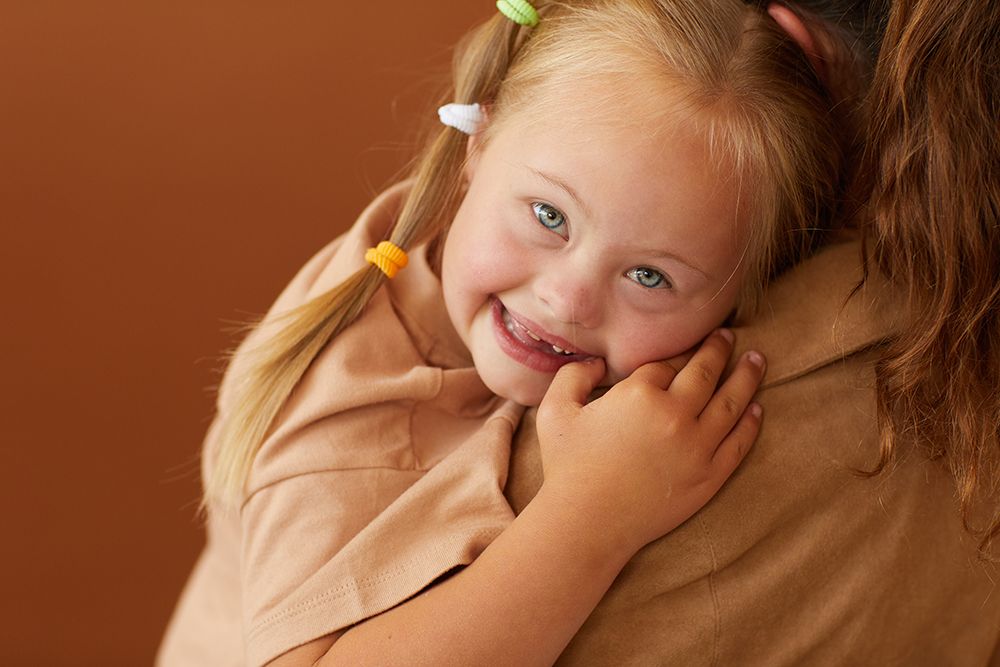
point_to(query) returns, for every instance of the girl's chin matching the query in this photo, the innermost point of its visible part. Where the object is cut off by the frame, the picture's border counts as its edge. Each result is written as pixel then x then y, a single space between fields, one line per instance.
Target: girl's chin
pixel 529 393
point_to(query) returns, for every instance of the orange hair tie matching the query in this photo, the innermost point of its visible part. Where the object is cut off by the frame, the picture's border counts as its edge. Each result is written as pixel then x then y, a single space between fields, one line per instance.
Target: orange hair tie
pixel 388 257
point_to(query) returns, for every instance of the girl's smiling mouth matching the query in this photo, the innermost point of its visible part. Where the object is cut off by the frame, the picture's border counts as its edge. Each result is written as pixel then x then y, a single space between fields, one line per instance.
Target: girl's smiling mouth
pixel 530 345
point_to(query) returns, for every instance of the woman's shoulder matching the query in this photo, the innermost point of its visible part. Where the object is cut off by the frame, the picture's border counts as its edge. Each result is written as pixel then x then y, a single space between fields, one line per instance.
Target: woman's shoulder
pixel 797 527
pixel 821 311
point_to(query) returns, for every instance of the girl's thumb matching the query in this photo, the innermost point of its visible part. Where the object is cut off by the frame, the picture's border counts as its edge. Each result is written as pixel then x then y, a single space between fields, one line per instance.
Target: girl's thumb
pixel 574 382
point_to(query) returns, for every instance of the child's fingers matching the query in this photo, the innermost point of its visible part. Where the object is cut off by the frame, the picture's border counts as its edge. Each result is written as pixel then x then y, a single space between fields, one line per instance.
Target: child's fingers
pixel 737 443
pixel 696 382
pixel 573 383
pixel 657 373
pixel 728 404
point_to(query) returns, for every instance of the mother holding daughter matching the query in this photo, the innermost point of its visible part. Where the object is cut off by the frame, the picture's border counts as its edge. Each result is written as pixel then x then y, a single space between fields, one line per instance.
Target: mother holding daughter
pixel 634 176
pixel 799 560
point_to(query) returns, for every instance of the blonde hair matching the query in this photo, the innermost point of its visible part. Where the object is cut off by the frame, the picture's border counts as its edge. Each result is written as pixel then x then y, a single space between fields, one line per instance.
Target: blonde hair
pixel 747 85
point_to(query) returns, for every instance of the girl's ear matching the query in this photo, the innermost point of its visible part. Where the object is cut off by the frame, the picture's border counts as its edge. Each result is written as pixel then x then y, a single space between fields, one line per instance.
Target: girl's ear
pixel 474 146
pixel 803 35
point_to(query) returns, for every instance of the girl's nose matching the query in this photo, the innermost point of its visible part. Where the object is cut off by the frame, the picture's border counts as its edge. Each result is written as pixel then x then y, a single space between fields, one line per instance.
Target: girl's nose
pixel 571 297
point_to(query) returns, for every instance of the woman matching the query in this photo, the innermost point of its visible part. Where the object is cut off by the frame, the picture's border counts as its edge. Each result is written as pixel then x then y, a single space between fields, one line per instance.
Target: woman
pixel 800 559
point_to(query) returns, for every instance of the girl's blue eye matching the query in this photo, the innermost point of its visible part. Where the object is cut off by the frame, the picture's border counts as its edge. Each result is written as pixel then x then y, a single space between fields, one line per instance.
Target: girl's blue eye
pixel 550 217
pixel 648 277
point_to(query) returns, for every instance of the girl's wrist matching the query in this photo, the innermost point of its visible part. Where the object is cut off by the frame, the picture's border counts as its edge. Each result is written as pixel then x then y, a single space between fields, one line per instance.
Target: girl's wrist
pixel 595 536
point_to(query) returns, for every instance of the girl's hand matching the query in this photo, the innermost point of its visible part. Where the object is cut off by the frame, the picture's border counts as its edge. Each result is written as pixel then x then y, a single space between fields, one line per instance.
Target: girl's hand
pixel 644 457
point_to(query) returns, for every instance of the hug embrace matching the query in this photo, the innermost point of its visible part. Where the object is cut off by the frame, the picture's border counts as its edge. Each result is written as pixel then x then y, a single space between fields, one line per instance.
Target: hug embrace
pixel 680 345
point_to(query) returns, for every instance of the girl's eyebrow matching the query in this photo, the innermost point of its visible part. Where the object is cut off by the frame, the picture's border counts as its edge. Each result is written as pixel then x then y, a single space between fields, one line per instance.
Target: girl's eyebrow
pixel 562 185
pixel 679 259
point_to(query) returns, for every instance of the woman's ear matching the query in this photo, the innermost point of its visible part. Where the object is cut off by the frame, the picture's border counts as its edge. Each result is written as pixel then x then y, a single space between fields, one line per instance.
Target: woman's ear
pixel 831 57
pixel 804 36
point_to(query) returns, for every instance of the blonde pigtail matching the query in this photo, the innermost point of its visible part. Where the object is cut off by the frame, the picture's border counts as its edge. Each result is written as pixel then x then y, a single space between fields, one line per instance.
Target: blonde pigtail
pixel 271 369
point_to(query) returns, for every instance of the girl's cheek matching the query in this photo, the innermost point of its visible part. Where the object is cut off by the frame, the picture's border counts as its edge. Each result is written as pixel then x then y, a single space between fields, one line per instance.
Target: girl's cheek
pixel 671 337
pixel 502 255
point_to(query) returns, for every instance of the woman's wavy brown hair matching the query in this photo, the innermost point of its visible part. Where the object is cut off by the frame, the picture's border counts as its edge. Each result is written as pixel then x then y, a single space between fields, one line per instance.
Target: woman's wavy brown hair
pixel 933 162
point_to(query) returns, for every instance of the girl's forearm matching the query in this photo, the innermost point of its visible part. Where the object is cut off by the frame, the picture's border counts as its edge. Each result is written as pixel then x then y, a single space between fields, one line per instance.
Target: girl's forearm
pixel 519 603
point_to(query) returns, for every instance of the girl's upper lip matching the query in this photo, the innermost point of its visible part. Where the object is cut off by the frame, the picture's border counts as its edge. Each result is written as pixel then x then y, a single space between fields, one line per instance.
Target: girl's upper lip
pixel 548 337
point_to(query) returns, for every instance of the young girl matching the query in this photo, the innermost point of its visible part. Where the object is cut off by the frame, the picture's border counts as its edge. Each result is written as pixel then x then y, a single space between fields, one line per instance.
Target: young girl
pixel 635 172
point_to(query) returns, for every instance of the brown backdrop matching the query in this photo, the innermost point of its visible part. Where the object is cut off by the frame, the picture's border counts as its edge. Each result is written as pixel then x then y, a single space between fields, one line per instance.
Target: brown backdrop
pixel 165 167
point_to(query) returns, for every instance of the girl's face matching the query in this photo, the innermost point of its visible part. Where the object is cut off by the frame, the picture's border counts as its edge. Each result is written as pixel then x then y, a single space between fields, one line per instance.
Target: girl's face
pixel 585 238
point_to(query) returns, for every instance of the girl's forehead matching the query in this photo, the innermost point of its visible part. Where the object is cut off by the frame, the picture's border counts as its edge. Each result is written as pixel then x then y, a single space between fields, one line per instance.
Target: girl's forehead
pixel 651 104
pixel 653 188
pixel 652 139
pixel 629 143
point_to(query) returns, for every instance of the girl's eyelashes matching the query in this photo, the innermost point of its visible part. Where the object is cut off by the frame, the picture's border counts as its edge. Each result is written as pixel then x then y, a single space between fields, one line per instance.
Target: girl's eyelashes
pixel 650 278
pixel 550 217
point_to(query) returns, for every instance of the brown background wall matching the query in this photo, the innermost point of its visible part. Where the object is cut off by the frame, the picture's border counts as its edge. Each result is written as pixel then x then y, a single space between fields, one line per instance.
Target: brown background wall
pixel 165 167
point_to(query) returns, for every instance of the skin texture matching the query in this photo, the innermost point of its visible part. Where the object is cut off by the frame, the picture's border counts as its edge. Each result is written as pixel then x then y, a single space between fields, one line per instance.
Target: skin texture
pixel 630 264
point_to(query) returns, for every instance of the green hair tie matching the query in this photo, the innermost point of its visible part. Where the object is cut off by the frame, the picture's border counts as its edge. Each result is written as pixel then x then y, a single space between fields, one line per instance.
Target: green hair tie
pixel 519 11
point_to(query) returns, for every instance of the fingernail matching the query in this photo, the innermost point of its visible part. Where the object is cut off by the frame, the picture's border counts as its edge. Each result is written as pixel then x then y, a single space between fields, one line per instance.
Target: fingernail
pixel 756 358
pixel 727 334
pixel 756 410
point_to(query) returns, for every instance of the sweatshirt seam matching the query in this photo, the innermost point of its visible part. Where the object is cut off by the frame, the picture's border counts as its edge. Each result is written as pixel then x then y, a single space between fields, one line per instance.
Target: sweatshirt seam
pixel 716 612
pixel 320 471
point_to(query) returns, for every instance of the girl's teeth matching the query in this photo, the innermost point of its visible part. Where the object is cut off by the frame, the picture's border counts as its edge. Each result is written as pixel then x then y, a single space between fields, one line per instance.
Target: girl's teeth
pixel 509 323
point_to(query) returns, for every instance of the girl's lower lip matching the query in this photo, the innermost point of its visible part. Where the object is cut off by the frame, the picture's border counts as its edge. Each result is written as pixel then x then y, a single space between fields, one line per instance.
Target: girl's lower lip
pixel 523 354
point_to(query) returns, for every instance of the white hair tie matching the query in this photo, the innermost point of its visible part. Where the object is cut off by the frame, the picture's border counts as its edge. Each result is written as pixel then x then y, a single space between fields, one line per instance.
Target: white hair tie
pixel 463 117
